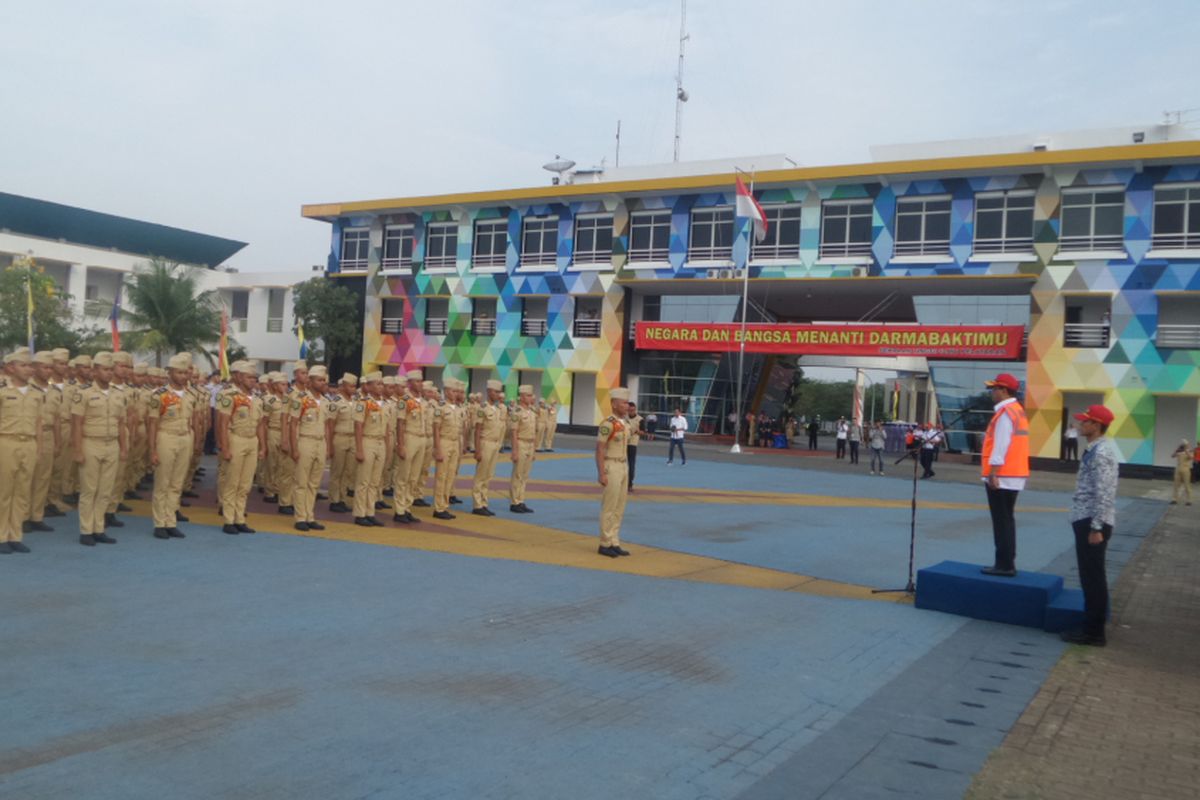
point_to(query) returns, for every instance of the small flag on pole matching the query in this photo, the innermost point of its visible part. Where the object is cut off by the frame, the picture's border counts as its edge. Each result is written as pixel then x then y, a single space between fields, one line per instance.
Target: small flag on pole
pixel 114 318
pixel 29 308
pixel 896 401
pixel 300 336
pixel 222 358
pixel 748 208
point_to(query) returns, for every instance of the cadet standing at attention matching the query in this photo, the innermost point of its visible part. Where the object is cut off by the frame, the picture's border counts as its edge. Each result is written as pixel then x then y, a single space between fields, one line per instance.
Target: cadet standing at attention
pixel 98 429
pixel 448 430
pixel 491 420
pixel 410 447
pixel 311 445
pixel 242 437
pixel 370 446
pixel 62 455
pixel 287 466
pixel 343 466
pixel 524 442
pixel 43 472
pixel 274 406
pixel 172 439
pixel 122 371
pixel 20 434
pixel 552 427
pixel 611 454
pixel 387 481
pixel 430 398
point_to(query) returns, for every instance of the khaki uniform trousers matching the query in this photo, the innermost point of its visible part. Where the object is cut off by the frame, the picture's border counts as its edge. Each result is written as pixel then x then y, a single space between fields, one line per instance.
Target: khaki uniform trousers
pixel 551 429
pixel 520 472
pixel 418 488
pixel 285 478
pixel 65 473
pixel 485 470
pixel 408 473
pixel 341 471
pixel 16 477
pixel 445 472
pixel 1182 485
pixel 118 490
pixel 370 476
pixel 309 468
pixel 174 456
pixel 612 501
pixel 43 476
pixel 97 482
pixel 272 473
pixel 239 477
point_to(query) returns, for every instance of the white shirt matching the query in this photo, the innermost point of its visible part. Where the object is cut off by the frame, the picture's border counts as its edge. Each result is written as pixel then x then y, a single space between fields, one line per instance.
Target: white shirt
pixel 1072 433
pixel 1002 435
pixel 678 426
pixel 842 430
pixel 932 438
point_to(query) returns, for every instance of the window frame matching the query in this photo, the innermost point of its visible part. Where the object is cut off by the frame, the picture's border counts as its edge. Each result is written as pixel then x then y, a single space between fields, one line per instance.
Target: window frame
pixel 445 321
pixel 401 261
pixel 711 252
pixel 1092 242
pixel 384 319
pixel 847 248
pixel 660 218
pixel 923 247
pixel 444 262
pixel 1183 240
pixel 764 251
pixel 1006 244
pixel 593 257
pixel 490 260
pixel 362 240
pixel 548 224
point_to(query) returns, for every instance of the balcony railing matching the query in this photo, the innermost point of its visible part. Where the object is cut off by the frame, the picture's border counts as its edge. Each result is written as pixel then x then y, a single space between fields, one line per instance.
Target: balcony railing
pixel 436 326
pixel 533 327
pixel 1175 241
pixel 1091 243
pixel 483 327
pixel 441 262
pixel 404 262
pixel 648 255
pixel 1182 337
pixel 927 247
pixel 275 325
pixel 710 253
pixel 392 325
pixel 1015 246
pixel 240 325
pixel 489 260
pixel 845 249
pixel 1085 334
pixel 587 328
pixel 353 265
pixel 778 251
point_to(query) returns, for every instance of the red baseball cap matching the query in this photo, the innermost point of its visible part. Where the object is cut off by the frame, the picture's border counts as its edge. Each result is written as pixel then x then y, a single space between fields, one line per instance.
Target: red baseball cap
pixel 1005 380
pixel 1096 414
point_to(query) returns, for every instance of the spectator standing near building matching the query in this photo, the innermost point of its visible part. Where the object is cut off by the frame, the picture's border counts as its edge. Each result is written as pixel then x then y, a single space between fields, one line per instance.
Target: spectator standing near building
pixel 679 427
pixel 1071 443
pixel 843 433
pixel 611 447
pixel 877 441
pixel 1093 515
pixel 1183 461
pixel 931 439
pixel 854 437
pixel 813 428
pixel 1005 467
pixel 651 425
pixel 634 423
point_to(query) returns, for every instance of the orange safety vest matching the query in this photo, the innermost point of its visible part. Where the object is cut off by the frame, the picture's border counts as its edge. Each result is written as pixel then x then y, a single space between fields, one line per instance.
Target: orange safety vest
pixel 1016 460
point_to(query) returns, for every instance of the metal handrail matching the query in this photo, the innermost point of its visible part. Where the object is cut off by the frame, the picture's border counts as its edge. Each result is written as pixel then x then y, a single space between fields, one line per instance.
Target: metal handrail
pixel 1018 245
pixel 1175 241
pixel 1085 334
pixel 1088 243
pixel 926 247
pixel 642 255
pixel 353 265
pixel 391 325
pixel 483 327
pixel 587 328
pixel 275 325
pixel 844 249
pixel 534 327
pixel 436 326
pixel 1182 337
pixel 775 251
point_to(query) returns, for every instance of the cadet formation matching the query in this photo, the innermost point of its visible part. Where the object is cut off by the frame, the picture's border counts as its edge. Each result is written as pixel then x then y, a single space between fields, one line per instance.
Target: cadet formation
pixel 92 432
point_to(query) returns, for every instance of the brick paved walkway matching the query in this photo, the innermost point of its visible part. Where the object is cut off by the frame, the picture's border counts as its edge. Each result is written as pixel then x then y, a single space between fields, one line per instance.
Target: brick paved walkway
pixel 1121 722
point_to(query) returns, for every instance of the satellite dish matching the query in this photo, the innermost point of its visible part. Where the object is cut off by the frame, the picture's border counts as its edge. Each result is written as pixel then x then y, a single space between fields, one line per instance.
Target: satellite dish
pixel 559 165
pixel 682 95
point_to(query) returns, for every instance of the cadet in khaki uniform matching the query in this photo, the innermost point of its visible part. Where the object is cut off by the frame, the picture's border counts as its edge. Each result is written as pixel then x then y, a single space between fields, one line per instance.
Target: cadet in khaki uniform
pixel 448 446
pixel 242 437
pixel 370 447
pixel 389 456
pixel 551 424
pixel 430 398
pixel 62 454
pixel 43 472
pixel 98 428
pixel 312 443
pixel 342 468
pixel 612 442
pixel 410 447
pixel 122 371
pixel 524 443
pixel 20 434
pixel 274 409
pixel 491 421
pixel 82 368
pixel 172 441
pixel 287 467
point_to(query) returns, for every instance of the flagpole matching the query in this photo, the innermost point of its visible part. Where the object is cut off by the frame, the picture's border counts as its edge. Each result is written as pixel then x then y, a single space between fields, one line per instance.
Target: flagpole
pixel 737 424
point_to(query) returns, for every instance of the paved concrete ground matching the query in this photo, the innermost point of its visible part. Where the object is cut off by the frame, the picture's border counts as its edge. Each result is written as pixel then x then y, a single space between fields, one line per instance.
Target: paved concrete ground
pixel 739 651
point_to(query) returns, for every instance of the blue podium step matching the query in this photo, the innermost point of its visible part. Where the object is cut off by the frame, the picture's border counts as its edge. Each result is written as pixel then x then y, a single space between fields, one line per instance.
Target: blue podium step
pixel 958 588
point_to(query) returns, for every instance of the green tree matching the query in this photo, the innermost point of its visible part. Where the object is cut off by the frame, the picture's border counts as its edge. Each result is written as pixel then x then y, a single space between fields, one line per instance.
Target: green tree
pixel 165 312
pixel 51 309
pixel 329 313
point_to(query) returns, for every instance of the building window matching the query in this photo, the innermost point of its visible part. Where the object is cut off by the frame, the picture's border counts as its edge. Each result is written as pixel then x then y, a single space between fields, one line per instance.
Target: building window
pixel 91 292
pixel 1092 219
pixel 239 305
pixel 535 313
pixel 711 235
pixel 483 316
pixel 593 239
pixel 355 244
pixel 437 316
pixel 397 246
pixel 441 245
pixel 491 243
pixel 923 226
pixel 587 317
pixel 1176 218
pixel 539 241
pixel 783 233
pixel 1178 321
pixel 1004 222
pixel 846 228
pixel 649 236
pixel 392 319
pixel 1087 320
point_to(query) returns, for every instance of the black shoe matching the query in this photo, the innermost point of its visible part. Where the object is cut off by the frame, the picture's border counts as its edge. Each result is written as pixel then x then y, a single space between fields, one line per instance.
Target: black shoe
pixel 389 493
pixel 489 512
pixel 316 526
pixel 271 499
pixel 621 551
pixel 514 508
pixel 408 517
pixel 339 508
pixel 380 505
pixel 71 499
pixel 87 540
pixel 111 521
pixel 104 538
pixel 608 551
pixel 374 523
pixel 524 509
pixel 230 529
pixel 6 548
pixel 362 521
pixel 188 493
pixel 322 496
pixel 124 509
pixel 131 495
pixel 480 512
pixel 999 573
pixel 301 526
pixel 287 509
pixel 18 547
pixel 161 533
pixel 400 518
pixel 420 503
pixel 244 528
pixel 443 515
pixel 181 518
pixel 38 525
pixel 53 511
pixel 175 533
pixel 1079 637
pixel 454 501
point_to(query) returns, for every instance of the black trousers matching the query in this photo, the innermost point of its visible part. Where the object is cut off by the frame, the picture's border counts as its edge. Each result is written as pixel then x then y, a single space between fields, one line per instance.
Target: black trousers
pixel 631 459
pixel 854 452
pixel 1092 577
pixel 812 441
pixel 927 461
pixel 1002 502
pixel 671 451
pixel 841 448
pixel 1071 449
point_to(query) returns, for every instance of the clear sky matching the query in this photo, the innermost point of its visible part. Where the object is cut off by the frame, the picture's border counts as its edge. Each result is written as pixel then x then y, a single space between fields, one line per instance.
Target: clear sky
pixel 225 116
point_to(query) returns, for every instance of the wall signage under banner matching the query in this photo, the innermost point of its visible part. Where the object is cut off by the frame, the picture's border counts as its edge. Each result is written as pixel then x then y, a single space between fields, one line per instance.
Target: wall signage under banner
pixel 931 341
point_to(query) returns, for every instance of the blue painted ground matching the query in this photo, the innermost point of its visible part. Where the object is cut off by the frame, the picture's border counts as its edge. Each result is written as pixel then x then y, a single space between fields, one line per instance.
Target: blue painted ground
pixel 275 666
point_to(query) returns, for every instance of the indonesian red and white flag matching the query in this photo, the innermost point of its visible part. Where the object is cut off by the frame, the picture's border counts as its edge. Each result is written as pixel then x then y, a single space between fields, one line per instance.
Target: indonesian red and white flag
pixel 748 208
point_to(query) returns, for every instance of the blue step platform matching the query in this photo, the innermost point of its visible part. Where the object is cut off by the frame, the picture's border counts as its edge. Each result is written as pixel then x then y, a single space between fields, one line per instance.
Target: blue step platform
pixel 1031 599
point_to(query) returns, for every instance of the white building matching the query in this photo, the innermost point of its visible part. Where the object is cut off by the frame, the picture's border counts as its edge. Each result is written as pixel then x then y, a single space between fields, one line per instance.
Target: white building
pixel 88 254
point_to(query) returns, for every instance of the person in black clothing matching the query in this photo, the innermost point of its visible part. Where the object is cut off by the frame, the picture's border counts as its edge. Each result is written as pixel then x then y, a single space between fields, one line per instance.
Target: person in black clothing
pixel 812 429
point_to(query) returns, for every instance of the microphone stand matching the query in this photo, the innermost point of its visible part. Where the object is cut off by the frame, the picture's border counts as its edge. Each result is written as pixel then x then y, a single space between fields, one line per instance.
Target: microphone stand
pixel 911 588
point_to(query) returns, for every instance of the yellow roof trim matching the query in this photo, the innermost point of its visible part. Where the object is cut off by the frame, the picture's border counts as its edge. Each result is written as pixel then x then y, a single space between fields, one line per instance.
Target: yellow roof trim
pixel 875 169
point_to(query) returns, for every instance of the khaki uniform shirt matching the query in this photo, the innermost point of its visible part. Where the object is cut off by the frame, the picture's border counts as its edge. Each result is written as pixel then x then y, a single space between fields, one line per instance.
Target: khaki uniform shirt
pixel 342 410
pixel 102 411
pixel 309 412
pixel 273 406
pixel 449 418
pixel 614 432
pixel 494 419
pixel 173 409
pixel 244 412
pixel 410 411
pixel 52 401
pixel 373 416
pixel 524 421
pixel 21 411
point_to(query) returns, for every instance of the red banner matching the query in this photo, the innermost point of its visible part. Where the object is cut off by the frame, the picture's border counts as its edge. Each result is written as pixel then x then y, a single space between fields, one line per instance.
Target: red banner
pixel 931 341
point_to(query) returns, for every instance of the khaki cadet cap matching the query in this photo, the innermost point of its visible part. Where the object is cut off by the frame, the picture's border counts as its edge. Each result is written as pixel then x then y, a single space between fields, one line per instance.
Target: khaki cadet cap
pixel 156 372
pixel 19 357
pixel 318 372
pixel 618 394
pixel 389 380
pixel 24 350
pixel 452 383
pixel 239 366
pixel 180 361
pixel 251 367
pixel 300 365
pixel 371 377
pixel 525 388
pixel 496 385
pixel 123 359
pixel 141 369
pixel 104 359
pixel 414 375
pixel 61 354
pixel 43 357
pixel 349 378
pixel 427 385
pixel 83 361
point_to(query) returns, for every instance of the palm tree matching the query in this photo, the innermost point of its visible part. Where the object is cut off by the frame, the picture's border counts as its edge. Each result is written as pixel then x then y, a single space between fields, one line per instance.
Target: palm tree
pixel 167 314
